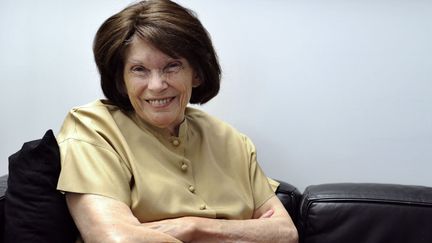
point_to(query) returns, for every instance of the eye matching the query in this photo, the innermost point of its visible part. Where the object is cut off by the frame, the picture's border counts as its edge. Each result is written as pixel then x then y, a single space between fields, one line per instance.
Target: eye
pixel 138 69
pixel 173 67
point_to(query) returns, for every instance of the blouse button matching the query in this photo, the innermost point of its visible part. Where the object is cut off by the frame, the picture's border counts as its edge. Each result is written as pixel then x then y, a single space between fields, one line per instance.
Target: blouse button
pixel 203 207
pixel 192 189
pixel 176 142
pixel 184 167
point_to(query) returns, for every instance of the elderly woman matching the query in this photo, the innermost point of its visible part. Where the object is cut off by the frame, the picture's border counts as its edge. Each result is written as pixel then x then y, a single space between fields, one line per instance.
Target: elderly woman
pixel 142 166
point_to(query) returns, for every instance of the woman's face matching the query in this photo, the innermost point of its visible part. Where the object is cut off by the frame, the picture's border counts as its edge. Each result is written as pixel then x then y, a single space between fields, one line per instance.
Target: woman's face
pixel 159 87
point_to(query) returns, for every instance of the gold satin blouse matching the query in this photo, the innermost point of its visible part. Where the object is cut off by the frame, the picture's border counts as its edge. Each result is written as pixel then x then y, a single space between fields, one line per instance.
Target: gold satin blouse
pixel 209 170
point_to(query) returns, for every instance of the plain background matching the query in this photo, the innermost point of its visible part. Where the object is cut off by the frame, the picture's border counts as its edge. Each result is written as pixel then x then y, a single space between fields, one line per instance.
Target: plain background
pixel 329 91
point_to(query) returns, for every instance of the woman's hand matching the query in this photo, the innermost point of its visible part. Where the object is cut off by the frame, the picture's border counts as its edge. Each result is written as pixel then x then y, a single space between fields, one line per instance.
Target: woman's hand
pixel 267 214
pixel 180 228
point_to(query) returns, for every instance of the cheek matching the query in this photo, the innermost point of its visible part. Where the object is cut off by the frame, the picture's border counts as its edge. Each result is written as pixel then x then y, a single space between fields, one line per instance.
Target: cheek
pixel 134 88
pixel 186 91
pixel 185 98
pixel 186 85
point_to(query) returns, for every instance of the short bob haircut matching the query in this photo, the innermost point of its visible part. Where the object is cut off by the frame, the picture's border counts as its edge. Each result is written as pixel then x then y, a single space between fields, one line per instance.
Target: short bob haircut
pixel 171 28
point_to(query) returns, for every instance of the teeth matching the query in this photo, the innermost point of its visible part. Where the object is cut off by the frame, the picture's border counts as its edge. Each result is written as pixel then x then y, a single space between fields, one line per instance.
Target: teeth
pixel 159 102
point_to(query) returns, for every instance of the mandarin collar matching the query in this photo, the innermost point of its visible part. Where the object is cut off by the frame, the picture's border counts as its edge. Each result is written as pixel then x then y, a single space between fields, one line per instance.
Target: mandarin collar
pixel 161 132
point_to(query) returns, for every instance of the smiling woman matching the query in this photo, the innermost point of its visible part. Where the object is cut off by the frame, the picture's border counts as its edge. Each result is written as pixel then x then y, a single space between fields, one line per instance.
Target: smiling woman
pixel 142 166
pixel 159 87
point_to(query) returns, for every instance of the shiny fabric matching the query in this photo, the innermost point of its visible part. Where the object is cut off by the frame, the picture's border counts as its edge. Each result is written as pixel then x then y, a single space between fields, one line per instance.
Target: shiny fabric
pixel 209 170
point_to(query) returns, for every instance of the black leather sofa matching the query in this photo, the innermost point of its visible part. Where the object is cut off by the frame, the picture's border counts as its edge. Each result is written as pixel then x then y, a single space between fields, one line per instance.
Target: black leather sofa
pixel 360 212
pixel 348 212
pixel 327 213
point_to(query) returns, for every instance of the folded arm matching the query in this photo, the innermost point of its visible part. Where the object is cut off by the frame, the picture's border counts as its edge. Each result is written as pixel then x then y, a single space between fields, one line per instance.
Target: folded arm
pixel 102 219
pixel 271 223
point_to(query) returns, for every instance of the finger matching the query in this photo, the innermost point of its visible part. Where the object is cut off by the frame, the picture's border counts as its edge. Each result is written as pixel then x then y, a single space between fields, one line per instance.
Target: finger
pixel 267 214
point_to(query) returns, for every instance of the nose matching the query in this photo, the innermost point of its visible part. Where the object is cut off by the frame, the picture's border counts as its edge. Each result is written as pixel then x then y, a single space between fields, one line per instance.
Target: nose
pixel 157 82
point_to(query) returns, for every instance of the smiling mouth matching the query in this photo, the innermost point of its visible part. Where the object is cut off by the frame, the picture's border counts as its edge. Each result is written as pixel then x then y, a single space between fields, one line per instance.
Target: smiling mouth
pixel 160 102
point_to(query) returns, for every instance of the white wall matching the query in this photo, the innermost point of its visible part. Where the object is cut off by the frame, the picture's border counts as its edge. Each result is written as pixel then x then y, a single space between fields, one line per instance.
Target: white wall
pixel 330 91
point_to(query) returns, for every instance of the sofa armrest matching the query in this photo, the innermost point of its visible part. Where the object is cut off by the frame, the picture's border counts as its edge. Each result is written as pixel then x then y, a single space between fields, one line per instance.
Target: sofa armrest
pixel 3 187
pixel 361 212
pixel 290 198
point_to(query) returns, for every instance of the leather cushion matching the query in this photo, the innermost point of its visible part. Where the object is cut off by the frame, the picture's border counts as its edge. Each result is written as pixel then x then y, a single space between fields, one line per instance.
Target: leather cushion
pixel 366 212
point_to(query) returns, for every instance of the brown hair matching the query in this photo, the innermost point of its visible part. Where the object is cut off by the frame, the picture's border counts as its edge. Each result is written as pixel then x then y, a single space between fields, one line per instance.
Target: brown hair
pixel 172 29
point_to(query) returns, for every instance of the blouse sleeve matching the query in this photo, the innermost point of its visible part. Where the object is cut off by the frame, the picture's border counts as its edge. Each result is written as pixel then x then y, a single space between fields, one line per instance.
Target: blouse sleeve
pixel 89 163
pixel 261 188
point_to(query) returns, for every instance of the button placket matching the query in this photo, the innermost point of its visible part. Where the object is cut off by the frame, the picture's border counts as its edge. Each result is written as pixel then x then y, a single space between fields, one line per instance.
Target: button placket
pixel 191 189
pixel 175 142
pixel 184 166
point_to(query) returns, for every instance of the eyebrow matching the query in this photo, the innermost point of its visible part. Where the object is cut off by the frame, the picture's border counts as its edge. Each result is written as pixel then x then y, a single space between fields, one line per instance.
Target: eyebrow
pixel 132 61
pixel 139 62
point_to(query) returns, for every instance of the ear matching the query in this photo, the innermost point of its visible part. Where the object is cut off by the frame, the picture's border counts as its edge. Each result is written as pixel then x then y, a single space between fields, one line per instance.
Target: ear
pixel 196 81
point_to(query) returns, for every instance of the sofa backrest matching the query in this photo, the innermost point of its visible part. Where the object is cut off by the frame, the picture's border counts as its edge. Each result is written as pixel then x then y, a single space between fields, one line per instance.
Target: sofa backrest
pixel 366 213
